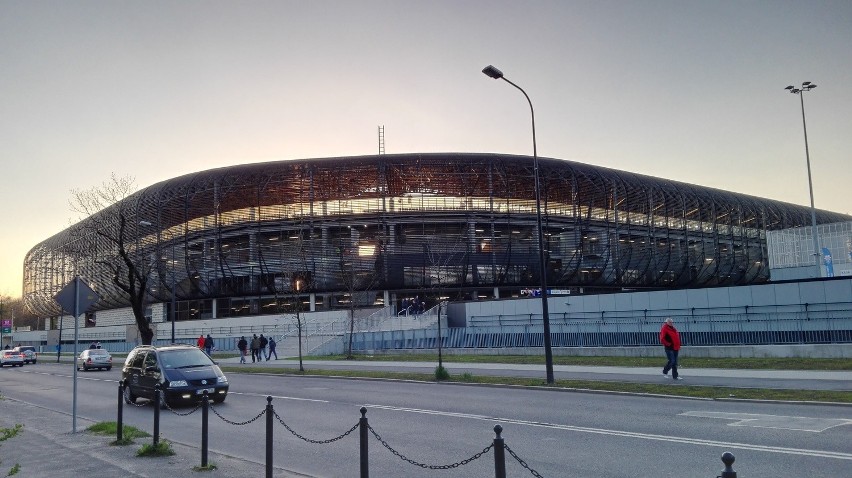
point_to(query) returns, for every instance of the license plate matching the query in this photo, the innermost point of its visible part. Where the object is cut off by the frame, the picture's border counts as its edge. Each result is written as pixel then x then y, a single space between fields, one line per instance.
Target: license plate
pixel 208 390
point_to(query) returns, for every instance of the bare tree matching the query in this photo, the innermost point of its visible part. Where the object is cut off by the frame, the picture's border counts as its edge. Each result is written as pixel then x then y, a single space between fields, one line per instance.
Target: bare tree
pixel 109 236
pixel 445 264
pixel 359 277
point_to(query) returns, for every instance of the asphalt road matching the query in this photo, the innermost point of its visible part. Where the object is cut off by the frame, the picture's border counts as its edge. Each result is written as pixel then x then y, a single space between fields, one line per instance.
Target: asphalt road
pixel 556 433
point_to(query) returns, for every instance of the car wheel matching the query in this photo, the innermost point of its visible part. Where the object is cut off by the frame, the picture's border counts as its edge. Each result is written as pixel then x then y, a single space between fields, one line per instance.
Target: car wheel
pixel 85 368
pixel 34 362
pixel 219 399
pixel 108 369
pixel 129 398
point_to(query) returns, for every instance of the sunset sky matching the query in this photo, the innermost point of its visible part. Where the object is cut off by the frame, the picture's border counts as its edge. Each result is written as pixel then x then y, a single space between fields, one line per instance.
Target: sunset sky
pixel 691 91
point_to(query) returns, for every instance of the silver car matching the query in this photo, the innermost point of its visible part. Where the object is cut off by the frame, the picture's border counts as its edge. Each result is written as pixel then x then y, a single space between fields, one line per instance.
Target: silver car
pixel 94 358
pixel 11 358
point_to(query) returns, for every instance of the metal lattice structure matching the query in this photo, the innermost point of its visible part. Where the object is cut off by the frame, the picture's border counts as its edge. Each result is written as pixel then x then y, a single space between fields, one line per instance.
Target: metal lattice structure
pixel 237 239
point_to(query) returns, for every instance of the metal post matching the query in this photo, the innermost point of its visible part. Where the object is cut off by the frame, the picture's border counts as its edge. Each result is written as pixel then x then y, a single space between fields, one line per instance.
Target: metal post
pixel 119 420
pixel 807 86
pixel 157 400
pixel 499 454
pixel 269 413
pixel 728 460
pixel 363 428
pixel 174 290
pixel 542 261
pixel 205 407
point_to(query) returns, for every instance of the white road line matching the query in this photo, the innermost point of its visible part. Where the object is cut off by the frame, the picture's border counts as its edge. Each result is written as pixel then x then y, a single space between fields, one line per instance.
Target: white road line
pixel 780 422
pixel 620 433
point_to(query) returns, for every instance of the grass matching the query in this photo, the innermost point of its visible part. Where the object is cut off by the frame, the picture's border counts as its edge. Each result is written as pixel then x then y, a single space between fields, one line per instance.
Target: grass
pixel 668 388
pixel 7 433
pixel 163 448
pixel 684 361
pixel 209 467
pixel 128 433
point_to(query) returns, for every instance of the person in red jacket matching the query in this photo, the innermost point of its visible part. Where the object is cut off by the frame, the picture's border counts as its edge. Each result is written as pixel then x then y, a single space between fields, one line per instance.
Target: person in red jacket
pixel 670 339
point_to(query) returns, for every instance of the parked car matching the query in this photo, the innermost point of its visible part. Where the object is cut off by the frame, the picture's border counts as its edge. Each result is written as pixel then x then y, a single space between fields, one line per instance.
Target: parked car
pixel 183 372
pixel 29 353
pixel 11 358
pixel 94 358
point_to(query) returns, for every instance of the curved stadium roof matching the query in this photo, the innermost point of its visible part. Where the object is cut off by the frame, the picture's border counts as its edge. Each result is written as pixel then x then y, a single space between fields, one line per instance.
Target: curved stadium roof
pixel 400 222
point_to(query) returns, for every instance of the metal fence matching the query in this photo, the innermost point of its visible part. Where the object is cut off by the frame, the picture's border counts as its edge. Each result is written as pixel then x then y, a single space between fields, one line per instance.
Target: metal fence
pixel 723 329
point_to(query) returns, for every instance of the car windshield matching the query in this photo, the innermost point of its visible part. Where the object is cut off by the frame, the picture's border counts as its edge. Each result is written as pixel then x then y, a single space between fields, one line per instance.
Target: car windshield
pixel 185 358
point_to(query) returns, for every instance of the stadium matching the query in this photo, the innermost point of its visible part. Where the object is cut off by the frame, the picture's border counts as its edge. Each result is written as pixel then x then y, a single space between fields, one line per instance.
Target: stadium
pixel 373 231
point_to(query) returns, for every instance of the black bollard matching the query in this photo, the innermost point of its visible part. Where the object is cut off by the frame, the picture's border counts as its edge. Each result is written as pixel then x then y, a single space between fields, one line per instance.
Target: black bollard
pixel 119 420
pixel 728 460
pixel 157 399
pixel 269 413
pixel 499 454
pixel 205 407
pixel 363 429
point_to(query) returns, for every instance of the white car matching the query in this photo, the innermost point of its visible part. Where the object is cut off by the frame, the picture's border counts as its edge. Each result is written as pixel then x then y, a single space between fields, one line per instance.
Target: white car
pixel 94 358
pixel 11 358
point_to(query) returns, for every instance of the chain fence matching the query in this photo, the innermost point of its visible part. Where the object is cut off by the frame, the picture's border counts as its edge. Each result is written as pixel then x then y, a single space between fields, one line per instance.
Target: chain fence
pixel 498 445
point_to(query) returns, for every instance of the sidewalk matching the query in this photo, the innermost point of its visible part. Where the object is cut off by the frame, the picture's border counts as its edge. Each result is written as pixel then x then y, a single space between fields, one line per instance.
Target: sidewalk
pixel 783 379
pixel 42 450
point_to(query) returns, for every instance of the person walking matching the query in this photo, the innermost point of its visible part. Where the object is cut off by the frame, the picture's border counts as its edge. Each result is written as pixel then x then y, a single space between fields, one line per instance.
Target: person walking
pixel 255 345
pixel 200 342
pixel 242 345
pixel 272 348
pixel 209 345
pixel 670 338
pixel 262 342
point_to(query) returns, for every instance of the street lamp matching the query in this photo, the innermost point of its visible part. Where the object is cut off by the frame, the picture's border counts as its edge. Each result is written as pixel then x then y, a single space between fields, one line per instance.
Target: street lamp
pixel 808 86
pixel 493 72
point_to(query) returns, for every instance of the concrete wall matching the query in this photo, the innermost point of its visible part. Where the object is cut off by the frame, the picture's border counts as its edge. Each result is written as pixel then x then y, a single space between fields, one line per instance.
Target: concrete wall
pixel 768 298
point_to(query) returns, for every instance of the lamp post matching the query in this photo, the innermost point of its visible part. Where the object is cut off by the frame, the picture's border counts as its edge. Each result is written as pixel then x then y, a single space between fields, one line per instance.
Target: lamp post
pixel 808 86
pixel 493 72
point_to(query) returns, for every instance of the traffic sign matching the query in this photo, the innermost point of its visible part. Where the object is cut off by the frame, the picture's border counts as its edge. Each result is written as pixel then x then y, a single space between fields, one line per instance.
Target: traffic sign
pixel 77 291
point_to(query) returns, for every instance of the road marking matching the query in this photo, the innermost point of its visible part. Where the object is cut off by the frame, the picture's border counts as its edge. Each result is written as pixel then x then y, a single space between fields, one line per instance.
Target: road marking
pixel 282 397
pixel 621 433
pixel 781 422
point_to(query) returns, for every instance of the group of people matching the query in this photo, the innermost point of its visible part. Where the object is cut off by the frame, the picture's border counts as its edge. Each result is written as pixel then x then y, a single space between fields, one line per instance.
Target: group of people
pixel 95 345
pixel 257 346
pixel 412 306
pixel 206 344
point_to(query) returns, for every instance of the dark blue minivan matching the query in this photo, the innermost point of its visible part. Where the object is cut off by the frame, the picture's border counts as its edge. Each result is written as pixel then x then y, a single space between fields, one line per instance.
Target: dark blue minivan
pixel 183 372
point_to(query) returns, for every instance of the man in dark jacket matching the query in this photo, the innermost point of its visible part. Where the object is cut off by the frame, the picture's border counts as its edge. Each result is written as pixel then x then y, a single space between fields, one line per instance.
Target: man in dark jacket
pixel 262 351
pixel 242 346
pixel 670 338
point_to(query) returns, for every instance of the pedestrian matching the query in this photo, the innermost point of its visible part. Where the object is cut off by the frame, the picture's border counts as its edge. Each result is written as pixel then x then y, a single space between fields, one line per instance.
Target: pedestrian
pixel 58 351
pixel 262 342
pixel 242 345
pixel 200 342
pixel 209 345
pixel 98 344
pixel 272 348
pixel 93 346
pixel 255 345
pixel 670 338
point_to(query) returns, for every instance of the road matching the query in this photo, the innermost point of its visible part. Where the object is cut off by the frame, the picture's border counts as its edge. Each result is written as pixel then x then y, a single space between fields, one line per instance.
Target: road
pixel 557 433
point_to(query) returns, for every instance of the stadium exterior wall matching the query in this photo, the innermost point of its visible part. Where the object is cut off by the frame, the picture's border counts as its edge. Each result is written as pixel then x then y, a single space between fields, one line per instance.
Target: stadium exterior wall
pixel 233 242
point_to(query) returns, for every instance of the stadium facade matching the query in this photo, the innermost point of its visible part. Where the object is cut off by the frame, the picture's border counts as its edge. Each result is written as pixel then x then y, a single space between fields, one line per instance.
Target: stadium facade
pixel 252 239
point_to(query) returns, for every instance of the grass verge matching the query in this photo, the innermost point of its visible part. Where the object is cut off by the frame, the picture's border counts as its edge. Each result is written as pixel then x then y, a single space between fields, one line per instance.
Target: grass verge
pixel 684 361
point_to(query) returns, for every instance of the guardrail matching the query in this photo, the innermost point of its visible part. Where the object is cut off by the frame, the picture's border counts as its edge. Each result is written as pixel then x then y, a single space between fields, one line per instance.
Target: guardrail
pixel 497 445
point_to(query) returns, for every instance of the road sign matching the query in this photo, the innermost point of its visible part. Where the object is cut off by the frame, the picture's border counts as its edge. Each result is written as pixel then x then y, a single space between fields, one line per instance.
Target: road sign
pixel 7 326
pixel 78 289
